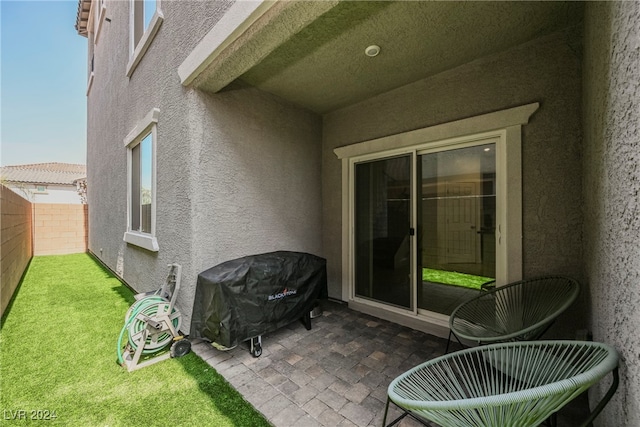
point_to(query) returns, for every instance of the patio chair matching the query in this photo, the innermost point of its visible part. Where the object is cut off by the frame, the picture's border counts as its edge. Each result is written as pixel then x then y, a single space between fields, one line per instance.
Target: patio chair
pixel 504 384
pixel 519 311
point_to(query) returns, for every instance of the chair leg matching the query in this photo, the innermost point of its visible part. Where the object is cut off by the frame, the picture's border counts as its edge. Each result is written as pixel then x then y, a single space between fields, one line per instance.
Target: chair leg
pixel 386 410
pixel 446 351
pixel 605 399
pixel 394 422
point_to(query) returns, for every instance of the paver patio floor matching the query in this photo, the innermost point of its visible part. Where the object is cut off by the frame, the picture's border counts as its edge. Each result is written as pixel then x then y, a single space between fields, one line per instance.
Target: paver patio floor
pixel 335 374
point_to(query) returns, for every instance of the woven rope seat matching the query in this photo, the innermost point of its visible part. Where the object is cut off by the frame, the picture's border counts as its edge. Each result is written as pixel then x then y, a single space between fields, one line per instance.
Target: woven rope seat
pixel 519 311
pixel 505 384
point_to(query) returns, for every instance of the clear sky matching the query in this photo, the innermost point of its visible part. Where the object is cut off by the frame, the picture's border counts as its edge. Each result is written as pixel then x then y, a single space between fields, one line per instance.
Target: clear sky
pixel 43 83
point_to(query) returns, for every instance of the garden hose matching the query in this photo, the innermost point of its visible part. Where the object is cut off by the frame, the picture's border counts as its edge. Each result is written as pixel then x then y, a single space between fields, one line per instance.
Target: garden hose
pixel 134 323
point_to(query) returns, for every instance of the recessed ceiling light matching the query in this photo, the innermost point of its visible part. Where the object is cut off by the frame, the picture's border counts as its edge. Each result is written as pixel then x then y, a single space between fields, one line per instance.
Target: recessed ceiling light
pixel 487 149
pixel 372 50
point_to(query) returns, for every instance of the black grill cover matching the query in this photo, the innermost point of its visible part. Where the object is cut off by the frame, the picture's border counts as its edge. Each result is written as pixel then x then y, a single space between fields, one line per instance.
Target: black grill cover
pixel 246 297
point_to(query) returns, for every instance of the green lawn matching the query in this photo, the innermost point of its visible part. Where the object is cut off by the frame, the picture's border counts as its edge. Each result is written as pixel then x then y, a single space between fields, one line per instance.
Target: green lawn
pixel 58 353
pixel 453 278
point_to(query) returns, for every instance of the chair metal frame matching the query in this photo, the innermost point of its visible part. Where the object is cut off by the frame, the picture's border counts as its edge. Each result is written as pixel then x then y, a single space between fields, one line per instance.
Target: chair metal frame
pixel 514 383
pixel 519 311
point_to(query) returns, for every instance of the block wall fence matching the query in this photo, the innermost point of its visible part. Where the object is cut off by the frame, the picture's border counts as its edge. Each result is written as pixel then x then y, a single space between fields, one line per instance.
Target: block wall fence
pixel 32 229
pixel 59 229
pixel 16 247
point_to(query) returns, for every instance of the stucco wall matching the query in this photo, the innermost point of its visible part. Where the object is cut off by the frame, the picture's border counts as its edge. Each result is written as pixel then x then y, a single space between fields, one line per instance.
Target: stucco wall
pixel 238 173
pixel 115 104
pixel 548 71
pixel 611 193
pixel 16 249
pixel 256 176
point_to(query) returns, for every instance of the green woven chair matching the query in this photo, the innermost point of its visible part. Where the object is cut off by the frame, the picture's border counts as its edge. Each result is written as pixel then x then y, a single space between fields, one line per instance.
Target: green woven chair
pixel 512 384
pixel 519 311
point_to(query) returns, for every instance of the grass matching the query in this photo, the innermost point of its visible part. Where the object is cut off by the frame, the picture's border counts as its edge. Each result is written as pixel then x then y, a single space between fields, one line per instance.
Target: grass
pixel 58 353
pixel 454 278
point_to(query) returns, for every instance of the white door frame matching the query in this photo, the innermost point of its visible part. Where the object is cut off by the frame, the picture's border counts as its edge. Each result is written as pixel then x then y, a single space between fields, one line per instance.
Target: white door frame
pixel 502 126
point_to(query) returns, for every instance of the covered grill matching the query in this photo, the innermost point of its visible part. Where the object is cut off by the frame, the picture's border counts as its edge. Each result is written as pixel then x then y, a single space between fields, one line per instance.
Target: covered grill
pixel 244 298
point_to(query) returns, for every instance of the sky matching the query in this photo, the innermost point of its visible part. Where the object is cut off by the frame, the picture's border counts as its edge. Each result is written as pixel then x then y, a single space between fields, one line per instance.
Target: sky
pixel 43 83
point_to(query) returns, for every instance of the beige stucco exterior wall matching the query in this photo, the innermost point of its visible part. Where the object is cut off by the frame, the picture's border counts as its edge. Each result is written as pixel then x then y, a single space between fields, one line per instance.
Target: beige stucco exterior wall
pixel 257 185
pixel 611 194
pixel 16 249
pixel 238 173
pixel 548 71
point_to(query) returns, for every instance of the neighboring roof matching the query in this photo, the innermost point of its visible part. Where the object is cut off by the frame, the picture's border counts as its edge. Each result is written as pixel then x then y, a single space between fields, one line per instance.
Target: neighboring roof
pixel 44 173
pixel 82 17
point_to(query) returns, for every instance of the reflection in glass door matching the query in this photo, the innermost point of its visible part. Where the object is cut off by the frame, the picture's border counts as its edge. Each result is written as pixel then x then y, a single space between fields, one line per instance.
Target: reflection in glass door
pixel 454 203
pixel 382 231
pixel 457 220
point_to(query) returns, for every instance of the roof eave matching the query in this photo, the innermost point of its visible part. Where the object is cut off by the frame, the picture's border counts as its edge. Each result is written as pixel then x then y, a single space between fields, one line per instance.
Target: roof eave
pixel 82 17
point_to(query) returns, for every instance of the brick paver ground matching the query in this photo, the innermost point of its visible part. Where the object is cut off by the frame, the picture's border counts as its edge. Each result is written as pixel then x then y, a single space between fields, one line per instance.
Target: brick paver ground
pixel 336 374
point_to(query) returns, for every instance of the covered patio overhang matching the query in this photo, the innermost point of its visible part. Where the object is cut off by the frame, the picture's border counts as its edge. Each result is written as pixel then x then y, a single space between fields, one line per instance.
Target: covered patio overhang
pixel 313 53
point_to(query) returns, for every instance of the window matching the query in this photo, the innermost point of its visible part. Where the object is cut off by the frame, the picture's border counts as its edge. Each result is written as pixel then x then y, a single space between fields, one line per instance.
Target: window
pixel 41 188
pixel 145 20
pixel 141 192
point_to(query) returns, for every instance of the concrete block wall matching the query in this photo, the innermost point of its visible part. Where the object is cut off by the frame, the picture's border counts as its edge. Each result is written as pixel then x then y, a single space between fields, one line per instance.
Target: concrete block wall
pixel 59 229
pixel 16 249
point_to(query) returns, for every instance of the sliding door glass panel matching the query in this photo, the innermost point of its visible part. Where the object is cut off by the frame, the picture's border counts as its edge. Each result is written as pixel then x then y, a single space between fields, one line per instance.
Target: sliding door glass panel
pixel 457 219
pixel 382 224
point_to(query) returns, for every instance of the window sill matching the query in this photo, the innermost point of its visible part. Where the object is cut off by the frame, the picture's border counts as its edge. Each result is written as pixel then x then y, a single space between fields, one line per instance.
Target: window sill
pixel 145 241
pixel 90 83
pixel 145 42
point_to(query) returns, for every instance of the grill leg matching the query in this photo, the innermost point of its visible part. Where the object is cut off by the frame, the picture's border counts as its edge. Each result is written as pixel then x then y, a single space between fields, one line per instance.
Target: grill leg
pixel 306 320
pixel 256 346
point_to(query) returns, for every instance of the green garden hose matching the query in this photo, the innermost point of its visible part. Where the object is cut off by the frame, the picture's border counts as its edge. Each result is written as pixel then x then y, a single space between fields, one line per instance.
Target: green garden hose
pixel 149 306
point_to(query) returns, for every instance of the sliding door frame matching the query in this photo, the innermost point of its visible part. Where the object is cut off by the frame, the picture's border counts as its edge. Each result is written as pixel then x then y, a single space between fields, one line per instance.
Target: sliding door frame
pixel 502 127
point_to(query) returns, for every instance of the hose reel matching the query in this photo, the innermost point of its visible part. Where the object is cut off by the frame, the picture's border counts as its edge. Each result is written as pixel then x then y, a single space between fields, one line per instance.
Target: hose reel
pixel 152 324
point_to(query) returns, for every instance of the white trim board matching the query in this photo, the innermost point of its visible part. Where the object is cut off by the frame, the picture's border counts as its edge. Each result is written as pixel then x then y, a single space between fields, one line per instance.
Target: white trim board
pixel 469 126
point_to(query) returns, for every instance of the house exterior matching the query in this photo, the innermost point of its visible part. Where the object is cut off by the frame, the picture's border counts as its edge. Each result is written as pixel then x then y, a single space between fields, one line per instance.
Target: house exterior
pixel 498 139
pixel 57 183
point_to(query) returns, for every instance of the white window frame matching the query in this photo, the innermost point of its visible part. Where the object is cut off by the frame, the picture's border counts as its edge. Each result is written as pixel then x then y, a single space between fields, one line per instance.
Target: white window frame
pixel 100 12
pixel 137 51
pixel 505 127
pixel 146 126
pixel 92 73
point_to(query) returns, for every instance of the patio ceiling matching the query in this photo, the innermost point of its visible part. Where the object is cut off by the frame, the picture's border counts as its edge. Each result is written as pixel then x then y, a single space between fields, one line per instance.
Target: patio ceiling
pixel 319 61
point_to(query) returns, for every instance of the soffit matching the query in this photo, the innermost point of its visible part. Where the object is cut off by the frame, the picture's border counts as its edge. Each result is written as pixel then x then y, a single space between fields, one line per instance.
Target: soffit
pixel 323 66
pixel 82 17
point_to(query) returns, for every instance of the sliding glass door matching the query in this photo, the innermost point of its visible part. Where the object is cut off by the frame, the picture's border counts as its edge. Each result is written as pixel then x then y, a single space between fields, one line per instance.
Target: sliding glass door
pixel 457 222
pixel 448 196
pixel 382 228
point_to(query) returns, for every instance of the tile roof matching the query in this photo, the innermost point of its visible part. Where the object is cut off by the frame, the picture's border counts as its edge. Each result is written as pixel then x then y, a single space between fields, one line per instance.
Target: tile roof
pixel 44 173
pixel 82 17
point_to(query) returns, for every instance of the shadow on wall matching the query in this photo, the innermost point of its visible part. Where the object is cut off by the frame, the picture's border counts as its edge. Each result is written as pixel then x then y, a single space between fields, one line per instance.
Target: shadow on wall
pixel 17 243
